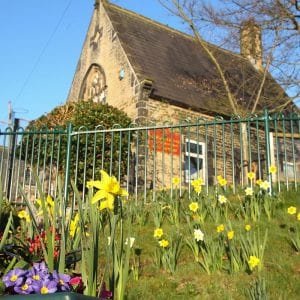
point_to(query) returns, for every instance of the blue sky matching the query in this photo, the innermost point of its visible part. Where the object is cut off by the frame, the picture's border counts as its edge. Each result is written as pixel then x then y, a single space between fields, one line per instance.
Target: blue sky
pixel 40 46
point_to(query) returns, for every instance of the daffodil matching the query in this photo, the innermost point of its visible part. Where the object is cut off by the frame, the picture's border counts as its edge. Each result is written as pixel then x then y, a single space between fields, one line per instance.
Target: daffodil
pixel 176 181
pixel 247 227
pixel 23 214
pixel 265 185
pixel 197 182
pixel 230 234
pixel 49 203
pixel 222 199
pixel 194 206
pixel 251 175
pixel 198 189
pixel 298 216
pixel 292 210
pixel 73 225
pixel 158 232
pixel 222 181
pixel 253 262
pixel 198 235
pixel 272 169
pixel 108 187
pixel 249 191
pixel 259 182
pixel 164 243
pixel 220 228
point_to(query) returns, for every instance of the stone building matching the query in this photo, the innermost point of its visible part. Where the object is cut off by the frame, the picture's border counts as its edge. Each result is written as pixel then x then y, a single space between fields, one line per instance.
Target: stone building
pixel 157 74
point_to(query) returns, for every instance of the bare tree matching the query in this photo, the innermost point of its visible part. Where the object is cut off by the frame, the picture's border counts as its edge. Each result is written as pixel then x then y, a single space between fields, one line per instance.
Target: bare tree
pixel 278 21
pixel 239 19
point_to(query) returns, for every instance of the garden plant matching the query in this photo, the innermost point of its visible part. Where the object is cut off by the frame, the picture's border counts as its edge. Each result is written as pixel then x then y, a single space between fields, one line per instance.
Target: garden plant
pixel 199 245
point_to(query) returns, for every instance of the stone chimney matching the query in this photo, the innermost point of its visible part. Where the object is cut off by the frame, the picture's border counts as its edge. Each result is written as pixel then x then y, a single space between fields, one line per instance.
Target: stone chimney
pixel 251 44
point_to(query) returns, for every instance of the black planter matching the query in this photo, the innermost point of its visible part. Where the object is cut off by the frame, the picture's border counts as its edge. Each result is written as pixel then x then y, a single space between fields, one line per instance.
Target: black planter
pixel 54 296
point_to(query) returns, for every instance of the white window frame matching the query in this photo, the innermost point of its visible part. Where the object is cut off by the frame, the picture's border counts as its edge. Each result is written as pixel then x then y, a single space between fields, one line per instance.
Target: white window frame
pixel 188 154
pixel 287 167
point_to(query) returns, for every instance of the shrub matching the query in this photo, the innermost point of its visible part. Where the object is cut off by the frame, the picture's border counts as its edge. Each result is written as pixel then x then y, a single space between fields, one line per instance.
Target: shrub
pixel 89 152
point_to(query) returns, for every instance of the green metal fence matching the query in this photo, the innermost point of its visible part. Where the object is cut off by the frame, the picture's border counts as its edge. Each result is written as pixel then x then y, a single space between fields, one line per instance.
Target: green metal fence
pixel 146 159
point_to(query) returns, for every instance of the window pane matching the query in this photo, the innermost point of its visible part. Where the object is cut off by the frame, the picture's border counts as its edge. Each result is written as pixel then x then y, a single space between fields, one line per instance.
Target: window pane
pixel 193 148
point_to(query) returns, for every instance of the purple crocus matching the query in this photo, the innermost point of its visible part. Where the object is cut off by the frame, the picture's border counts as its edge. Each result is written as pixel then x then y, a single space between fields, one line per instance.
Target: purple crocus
pixel 45 286
pixel 62 281
pixel 24 288
pixel 14 277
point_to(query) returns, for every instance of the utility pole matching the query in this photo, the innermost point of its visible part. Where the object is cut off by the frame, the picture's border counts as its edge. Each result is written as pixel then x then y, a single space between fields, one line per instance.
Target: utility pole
pixel 11 115
pixel 13 123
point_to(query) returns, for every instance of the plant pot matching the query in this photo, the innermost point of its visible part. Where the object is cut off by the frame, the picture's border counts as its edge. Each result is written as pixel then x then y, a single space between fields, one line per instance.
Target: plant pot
pixel 54 296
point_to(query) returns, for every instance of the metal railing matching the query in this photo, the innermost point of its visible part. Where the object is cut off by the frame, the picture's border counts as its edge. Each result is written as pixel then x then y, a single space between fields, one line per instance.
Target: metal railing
pixel 146 159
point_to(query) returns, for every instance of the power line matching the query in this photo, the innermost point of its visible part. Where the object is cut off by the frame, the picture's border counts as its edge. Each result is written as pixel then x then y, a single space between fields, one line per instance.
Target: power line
pixel 43 51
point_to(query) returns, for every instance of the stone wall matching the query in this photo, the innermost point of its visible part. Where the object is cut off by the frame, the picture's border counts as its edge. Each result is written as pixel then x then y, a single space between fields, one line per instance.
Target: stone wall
pixel 223 153
pixel 102 48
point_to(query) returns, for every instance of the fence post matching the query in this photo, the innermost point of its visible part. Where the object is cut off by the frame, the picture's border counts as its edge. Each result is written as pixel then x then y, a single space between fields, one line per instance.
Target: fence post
pixel 68 154
pixel 268 147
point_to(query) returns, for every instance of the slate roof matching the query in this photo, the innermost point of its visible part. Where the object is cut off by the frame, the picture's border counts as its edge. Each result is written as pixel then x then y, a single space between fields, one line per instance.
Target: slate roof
pixel 181 70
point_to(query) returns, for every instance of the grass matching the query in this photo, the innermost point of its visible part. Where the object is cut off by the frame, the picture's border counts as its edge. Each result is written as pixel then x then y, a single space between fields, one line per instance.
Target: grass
pixel 278 279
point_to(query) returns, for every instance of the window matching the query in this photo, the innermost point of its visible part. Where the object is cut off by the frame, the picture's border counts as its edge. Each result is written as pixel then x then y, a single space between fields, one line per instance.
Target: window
pixel 288 169
pixel 194 162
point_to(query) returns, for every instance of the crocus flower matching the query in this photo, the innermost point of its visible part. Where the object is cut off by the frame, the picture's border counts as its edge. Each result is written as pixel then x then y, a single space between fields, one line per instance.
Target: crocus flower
pixel 14 277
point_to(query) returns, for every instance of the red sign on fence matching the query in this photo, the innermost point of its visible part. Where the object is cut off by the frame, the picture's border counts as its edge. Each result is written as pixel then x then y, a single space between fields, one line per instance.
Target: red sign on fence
pixel 164 140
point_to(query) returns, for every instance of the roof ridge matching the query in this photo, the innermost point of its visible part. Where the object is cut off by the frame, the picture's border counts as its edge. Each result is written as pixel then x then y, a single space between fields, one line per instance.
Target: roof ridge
pixel 170 29
pixel 154 22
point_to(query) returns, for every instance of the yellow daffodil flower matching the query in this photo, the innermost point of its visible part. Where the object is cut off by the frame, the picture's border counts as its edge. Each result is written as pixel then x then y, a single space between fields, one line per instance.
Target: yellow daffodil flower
pixel 108 187
pixel 220 228
pixel 197 182
pixel 273 169
pixel 23 214
pixel 247 227
pixel 194 206
pixel 253 262
pixel 292 210
pixel 176 181
pixel 164 243
pixel 73 225
pixel 251 175
pixel 259 182
pixel 230 234
pixel 158 232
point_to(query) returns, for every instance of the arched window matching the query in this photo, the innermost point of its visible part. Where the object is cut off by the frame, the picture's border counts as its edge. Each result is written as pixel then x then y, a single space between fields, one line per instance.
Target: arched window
pixel 94 85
